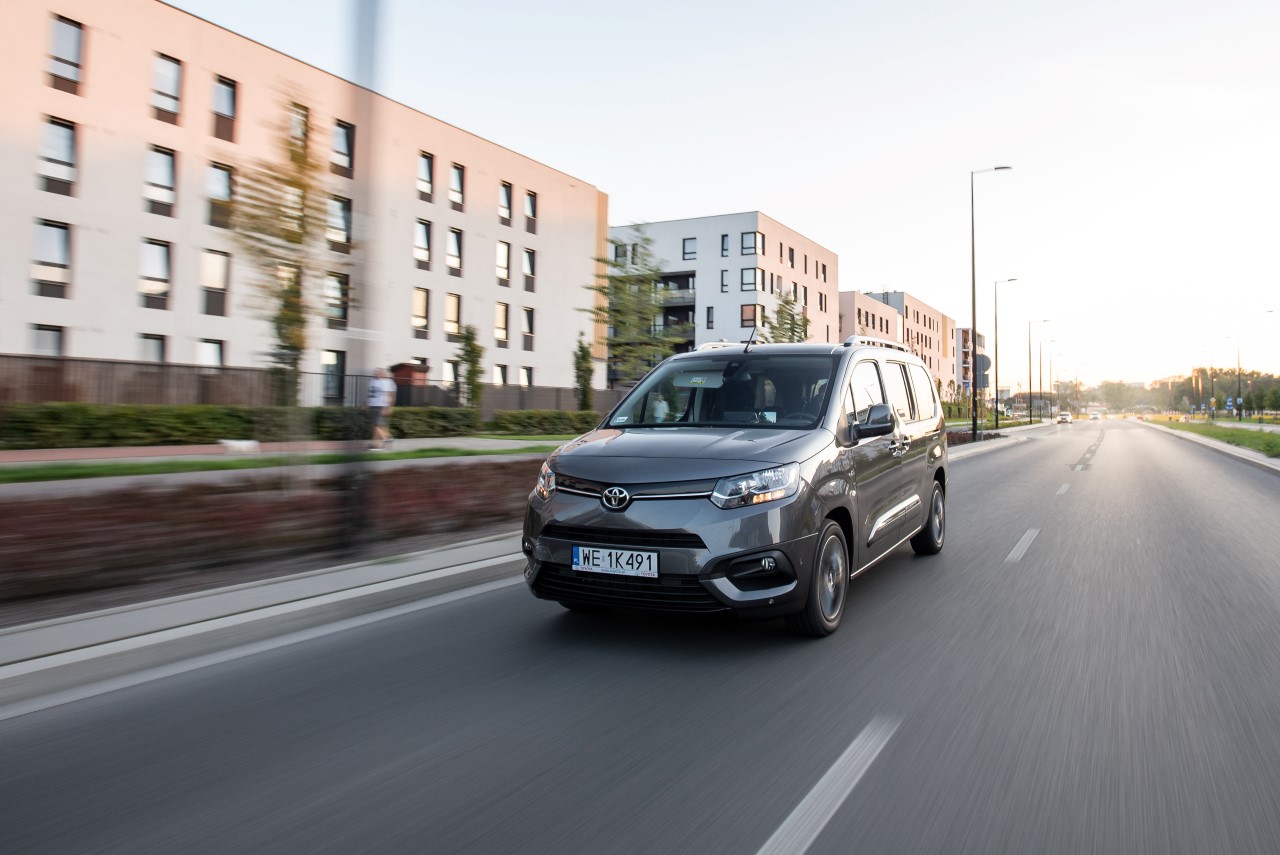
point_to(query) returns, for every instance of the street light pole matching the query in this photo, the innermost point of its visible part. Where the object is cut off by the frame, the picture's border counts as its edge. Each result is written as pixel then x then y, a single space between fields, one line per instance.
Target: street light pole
pixel 973 305
pixel 995 308
pixel 1031 376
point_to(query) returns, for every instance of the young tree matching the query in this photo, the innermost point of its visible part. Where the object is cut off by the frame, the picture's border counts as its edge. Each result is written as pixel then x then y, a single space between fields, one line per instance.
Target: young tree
pixel 631 309
pixel 583 368
pixel 278 213
pixel 470 353
pixel 788 323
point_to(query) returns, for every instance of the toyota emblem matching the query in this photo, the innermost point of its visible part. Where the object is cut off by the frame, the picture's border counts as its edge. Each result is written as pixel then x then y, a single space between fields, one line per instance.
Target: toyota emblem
pixel 615 498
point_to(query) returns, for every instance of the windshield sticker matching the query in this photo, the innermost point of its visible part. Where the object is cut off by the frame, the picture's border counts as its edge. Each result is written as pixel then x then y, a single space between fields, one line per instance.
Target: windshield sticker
pixel 620 420
pixel 697 381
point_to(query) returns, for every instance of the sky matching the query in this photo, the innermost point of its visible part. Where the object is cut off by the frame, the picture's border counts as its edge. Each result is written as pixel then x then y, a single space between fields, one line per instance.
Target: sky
pixel 1141 215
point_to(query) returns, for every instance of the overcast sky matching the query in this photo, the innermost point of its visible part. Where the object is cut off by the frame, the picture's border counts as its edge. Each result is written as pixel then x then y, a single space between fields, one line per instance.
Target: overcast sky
pixel 1142 214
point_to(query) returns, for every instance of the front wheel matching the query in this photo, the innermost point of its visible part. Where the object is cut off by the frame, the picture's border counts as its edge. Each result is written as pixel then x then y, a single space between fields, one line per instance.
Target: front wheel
pixel 828 585
pixel 929 539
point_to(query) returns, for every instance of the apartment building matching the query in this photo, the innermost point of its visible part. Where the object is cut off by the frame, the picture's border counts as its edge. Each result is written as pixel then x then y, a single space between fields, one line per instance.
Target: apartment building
pixel 126 124
pixel 723 273
pixel 901 317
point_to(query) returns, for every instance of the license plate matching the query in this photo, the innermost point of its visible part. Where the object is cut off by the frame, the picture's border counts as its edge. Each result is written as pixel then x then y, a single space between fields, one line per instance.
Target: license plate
pixel 620 562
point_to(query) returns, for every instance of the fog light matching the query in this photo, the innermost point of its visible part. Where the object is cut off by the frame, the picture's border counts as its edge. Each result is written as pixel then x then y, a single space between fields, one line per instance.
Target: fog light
pixel 768 564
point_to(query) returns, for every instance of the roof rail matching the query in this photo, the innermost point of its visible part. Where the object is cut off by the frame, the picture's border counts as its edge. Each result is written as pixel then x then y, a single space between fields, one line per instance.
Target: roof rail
pixel 875 342
pixel 715 345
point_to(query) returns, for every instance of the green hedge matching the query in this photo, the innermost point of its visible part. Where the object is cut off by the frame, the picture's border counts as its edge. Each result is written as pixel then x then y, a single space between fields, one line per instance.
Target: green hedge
pixel 104 425
pixel 545 421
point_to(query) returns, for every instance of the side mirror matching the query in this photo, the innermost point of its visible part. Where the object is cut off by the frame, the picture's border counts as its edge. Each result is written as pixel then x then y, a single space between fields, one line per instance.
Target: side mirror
pixel 879 423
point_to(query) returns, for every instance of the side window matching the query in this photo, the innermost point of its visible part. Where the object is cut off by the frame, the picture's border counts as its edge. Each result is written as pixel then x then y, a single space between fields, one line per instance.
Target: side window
pixel 895 385
pixel 866 389
pixel 926 396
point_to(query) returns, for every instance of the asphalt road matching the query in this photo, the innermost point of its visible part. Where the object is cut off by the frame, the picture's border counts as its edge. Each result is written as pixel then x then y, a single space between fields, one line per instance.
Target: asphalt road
pixel 1109 684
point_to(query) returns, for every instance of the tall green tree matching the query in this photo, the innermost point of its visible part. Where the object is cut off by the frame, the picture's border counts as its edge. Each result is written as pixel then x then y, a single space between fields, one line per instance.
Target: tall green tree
pixel 632 308
pixel 277 215
pixel 583 369
pixel 788 323
pixel 470 354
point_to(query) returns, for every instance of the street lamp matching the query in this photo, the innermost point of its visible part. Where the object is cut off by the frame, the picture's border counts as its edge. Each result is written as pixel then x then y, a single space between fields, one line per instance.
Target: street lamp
pixel 973 303
pixel 1029 374
pixel 1052 391
pixel 995 307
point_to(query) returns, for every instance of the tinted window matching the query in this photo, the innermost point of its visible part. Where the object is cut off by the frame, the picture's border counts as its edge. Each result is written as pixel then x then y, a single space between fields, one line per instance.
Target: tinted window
pixel 926 395
pixel 895 385
pixel 866 389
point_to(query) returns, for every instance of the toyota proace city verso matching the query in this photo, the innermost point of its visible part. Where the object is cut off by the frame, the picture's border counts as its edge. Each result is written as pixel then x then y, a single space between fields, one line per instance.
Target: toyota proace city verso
pixel 754 479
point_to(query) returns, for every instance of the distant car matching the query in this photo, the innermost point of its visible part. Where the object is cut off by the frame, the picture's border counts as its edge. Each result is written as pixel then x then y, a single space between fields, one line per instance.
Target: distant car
pixel 1095 417
pixel 1064 418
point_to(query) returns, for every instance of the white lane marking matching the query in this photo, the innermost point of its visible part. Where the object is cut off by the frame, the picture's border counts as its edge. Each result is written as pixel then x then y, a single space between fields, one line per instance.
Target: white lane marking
pixel 149 675
pixel 1079 467
pixel 1023 545
pixel 802 827
pixel 1063 489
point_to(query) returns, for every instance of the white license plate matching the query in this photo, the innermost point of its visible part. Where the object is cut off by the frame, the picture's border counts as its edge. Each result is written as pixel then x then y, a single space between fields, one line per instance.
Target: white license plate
pixel 621 562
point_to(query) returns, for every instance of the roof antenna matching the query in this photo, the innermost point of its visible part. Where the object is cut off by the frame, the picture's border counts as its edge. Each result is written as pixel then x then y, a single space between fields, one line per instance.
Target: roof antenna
pixel 751 340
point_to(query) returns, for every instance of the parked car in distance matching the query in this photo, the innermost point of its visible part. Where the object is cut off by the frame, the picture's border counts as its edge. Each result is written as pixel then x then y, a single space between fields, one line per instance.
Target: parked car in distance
pixel 765 480
pixel 1064 418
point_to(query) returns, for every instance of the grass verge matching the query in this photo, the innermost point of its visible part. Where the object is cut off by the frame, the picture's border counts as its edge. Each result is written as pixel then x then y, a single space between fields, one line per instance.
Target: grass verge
pixel 1267 443
pixel 75 471
pixel 545 437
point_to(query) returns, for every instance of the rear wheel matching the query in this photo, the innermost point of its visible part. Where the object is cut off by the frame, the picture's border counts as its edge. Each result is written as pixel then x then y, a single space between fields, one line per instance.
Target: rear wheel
pixel 929 539
pixel 828 585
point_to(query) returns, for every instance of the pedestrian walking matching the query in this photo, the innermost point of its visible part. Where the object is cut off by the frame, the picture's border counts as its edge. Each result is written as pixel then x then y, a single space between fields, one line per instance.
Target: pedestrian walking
pixel 382 397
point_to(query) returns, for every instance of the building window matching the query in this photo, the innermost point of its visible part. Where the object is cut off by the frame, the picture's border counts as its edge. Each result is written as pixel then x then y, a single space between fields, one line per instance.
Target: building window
pixel 711 317
pixel 504 203
pixel 166 88
pixel 336 294
pixel 499 375
pixel 752 243
pixel 804 296
pixel 457 180
pixel 151 348
pixel 501 317
pixel 749 315
pixel 64 61
pixel 453 256
pixel 46 340
pixel 452 315
pixel 421 313
pixel 153 283
pixel 531 212
pixel 791 257
pixel 342 158
pixel 224 109
pixel 339 231
pixel 503 263
pixel 530 268
pixel 335 372
pixel 211 352
pixel 219 187
pixel 724 246
pixel 51 266
pixel 526 376
pixel 426 175
pixel 752 279
pixel 690 249
pixel 526 327
pixel 299 129
pixel 57 167
pixel 824 272
pixel 215 276
pixel 724 281
pixel 422 244
pixel 620 252
pixel 159 191
pixel 452 371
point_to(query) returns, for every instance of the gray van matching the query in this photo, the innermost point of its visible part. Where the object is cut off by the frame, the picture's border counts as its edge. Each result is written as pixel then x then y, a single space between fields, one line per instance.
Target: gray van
pixel 748 479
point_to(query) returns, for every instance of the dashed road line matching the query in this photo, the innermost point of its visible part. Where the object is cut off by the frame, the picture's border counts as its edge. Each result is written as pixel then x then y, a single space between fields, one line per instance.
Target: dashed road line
pixel 1023 545
pixel 1063 489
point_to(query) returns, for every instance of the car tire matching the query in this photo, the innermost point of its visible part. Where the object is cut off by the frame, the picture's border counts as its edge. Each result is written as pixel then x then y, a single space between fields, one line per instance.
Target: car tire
pixel 928 541
pixel 828 585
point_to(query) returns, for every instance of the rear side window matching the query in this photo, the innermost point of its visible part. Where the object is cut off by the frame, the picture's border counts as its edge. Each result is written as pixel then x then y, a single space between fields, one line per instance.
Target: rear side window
pixel 895 387
pixel 926 395
pixel 866 389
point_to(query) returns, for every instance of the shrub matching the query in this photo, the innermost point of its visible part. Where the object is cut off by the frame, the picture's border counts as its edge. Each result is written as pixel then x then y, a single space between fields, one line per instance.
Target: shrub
pixel 544 421
pixel 434 421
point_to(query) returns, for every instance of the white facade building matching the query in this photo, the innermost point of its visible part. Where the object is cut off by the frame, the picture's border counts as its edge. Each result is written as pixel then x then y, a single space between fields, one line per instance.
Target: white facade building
pixel 124 123
pixel 723 271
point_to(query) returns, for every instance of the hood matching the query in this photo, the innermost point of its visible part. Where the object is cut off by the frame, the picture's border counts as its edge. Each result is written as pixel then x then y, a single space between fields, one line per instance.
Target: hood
pixel 642 455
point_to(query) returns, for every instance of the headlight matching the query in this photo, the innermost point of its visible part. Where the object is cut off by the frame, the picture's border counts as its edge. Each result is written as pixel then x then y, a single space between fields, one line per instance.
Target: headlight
pixel 546 482
pixel 767 485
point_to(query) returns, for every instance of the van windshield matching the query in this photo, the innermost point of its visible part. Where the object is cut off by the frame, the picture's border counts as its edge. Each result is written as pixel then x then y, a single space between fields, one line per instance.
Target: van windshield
pixel 731 390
